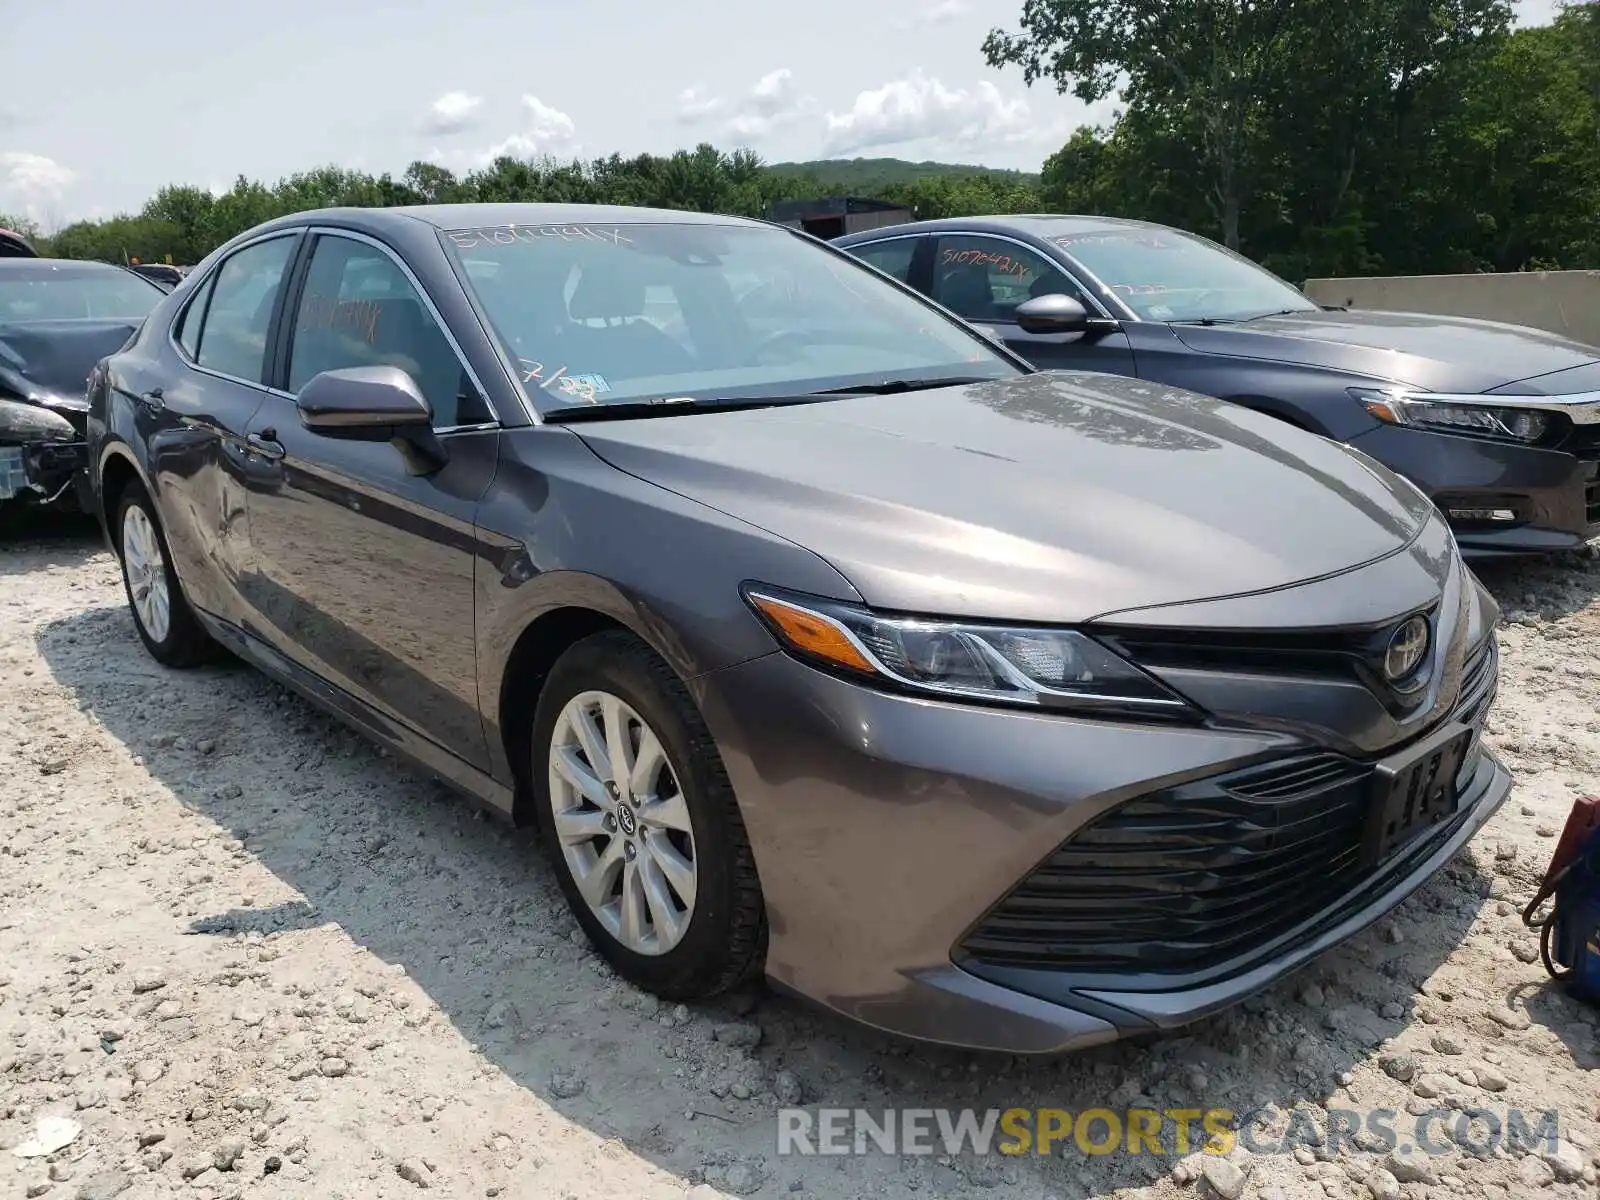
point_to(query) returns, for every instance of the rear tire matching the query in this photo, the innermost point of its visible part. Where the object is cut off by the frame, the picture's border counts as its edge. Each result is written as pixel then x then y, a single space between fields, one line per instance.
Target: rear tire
pixel 167 625
pixel 668 824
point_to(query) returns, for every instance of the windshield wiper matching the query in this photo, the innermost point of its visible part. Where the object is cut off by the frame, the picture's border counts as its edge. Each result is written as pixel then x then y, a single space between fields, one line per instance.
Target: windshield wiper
pixel 665 406
pixel 890 387
pixel 670 406
pixel 1207 321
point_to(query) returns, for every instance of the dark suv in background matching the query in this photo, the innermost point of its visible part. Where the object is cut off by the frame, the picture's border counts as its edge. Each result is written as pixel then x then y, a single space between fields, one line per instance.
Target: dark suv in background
pixel 1498 424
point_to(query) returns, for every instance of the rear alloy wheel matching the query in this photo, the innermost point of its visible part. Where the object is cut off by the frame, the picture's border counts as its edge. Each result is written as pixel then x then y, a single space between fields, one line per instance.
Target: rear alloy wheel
pixel 166 624
pixel 640 823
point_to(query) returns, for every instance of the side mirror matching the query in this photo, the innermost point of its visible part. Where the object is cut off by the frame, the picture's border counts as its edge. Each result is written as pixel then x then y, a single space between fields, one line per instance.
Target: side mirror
pixel 365 403
pixel 1054 313
pixel 374 404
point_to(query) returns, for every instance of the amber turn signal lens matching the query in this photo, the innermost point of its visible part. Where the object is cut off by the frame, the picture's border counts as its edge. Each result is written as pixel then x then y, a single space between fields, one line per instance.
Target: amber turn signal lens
pixel 812 634
pixel 1384 411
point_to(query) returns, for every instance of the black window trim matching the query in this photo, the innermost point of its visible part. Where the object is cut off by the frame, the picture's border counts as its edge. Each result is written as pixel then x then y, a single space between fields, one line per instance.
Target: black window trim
pixel 1066 267
pixel 205 286
pixel 280 354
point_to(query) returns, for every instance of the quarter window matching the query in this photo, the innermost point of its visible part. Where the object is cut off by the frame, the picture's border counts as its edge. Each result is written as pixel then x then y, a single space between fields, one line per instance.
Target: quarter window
pixel 985 279
pixel 193 315
pixel 358 309
pixel 233 340
pixel 891 257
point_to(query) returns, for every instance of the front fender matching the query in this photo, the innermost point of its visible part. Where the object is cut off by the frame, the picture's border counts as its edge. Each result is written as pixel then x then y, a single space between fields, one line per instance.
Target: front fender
pixel 562 529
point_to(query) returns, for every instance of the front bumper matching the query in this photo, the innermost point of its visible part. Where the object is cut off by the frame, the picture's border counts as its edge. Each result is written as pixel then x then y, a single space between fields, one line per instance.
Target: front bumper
pixel 885 828
pixel 1552 496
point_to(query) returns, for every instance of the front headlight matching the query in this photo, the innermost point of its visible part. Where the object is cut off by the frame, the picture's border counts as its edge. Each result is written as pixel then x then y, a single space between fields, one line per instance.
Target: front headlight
pixel 1004 664
pixel 1420 410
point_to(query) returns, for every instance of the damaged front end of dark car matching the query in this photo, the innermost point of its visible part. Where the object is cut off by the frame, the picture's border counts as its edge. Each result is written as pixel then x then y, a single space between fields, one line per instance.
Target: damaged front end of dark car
pixel 44 372
pixel 42 455
pixel 58 320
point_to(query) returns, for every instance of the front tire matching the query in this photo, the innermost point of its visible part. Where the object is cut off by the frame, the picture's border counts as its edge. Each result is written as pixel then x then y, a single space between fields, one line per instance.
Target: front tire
pixel 639 821
pixel 167 625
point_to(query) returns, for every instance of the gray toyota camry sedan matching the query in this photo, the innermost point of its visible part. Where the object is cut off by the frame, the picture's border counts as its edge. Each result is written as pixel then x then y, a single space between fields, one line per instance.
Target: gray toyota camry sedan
pixel 820 637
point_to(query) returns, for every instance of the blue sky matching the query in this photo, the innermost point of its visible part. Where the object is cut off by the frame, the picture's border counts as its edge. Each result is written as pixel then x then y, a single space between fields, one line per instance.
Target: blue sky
pixel 94 120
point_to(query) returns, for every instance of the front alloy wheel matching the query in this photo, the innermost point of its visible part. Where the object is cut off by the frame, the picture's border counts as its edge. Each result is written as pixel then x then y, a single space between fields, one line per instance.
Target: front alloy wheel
pixel 622 822
pixel 640 824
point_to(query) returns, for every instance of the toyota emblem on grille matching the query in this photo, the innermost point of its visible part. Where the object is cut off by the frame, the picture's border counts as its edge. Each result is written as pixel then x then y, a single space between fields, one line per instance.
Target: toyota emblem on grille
pixel 1407 645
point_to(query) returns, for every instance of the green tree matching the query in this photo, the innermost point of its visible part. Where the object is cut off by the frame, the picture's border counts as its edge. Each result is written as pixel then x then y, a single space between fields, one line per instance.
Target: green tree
pixel 1219 59
pixel 1256 87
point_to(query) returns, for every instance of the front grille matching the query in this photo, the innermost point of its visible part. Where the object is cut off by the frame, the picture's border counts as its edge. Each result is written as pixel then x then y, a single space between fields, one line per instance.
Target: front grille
pixel 1191 878
pixel 1479 680
pixel 1320 652
pixel 1344 654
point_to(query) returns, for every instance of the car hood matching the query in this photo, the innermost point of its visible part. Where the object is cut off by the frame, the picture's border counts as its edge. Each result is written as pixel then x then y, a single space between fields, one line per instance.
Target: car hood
pixel 1440 354
pixel 1050 497
pixel 48 362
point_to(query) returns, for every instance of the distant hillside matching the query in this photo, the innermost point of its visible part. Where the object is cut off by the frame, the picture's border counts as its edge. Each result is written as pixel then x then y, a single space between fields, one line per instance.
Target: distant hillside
pixel 867 174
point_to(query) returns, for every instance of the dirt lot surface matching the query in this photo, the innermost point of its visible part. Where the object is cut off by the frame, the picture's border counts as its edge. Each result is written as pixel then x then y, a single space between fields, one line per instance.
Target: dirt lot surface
pixel 243 954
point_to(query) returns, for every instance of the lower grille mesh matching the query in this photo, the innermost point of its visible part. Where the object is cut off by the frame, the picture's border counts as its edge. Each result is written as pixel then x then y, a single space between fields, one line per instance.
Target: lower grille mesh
pixel 1187 879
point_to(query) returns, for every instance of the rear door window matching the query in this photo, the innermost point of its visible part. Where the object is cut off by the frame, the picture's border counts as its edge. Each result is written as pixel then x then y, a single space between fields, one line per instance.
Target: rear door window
pixel 233 340
pixel 893 257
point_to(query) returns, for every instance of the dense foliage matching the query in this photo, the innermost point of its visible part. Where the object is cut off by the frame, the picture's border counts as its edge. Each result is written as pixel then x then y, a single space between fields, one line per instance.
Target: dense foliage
pixel 1321 137
pixel 187 222
pixel 1333 137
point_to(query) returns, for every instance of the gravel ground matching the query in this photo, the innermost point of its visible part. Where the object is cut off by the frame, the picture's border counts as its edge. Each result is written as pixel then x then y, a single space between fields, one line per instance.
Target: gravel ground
pixel 246 955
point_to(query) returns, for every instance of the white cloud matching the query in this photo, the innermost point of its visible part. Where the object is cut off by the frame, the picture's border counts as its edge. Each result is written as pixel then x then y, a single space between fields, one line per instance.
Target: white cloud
pixel 920 109
pixel 773 103
pixel 33 176
pixel 697 103
pixel 940 13
pixel 547 131
pixel 453 112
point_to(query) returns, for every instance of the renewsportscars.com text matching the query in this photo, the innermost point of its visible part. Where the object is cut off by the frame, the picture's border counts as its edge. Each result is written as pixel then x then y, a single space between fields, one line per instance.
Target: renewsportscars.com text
pixel 1173 1131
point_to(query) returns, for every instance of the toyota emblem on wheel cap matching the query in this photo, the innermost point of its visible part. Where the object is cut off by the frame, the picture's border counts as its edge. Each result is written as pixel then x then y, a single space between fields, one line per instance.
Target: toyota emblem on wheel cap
pixel 1407 645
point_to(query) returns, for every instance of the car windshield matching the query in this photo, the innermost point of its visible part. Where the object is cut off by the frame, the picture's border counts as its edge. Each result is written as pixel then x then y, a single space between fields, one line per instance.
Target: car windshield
pixel 61 293
pixel 604 314
pixel 1168 275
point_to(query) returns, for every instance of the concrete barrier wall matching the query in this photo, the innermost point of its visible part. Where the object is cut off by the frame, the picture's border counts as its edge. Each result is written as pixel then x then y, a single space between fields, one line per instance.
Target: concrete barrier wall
pixel 1565 302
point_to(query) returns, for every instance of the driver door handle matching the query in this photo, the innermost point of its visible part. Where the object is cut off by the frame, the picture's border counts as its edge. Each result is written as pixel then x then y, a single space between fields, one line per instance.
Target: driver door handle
pixel 266 444
pixel 153 400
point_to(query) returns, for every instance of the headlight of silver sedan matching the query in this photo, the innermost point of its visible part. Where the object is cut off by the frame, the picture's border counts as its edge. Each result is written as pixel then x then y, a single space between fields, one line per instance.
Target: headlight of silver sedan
pixel 1004 664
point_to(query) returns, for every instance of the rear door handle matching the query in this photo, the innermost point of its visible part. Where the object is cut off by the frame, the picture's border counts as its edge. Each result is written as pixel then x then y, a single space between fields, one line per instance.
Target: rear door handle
pixel 265 444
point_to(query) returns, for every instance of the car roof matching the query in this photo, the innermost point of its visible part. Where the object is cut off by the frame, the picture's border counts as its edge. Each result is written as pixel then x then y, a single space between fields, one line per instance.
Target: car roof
pixel 473 216
pixel 1042 225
